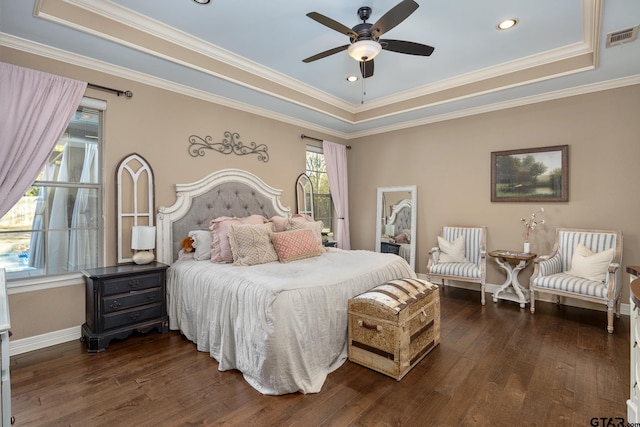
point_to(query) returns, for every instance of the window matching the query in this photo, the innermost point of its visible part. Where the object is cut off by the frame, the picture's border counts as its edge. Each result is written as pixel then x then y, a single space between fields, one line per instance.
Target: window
pixel 57 225
pixel 317 173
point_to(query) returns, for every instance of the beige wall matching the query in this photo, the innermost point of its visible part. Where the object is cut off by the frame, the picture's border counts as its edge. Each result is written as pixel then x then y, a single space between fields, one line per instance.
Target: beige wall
pixel 448 161
pixel 450 164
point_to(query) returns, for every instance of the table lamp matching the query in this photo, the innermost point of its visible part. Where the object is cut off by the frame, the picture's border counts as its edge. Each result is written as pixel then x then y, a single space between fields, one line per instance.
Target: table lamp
pixel 143 239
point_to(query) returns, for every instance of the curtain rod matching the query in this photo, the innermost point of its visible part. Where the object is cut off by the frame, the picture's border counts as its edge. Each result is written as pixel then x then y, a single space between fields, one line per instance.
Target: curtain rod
pixel 126 93
pixel 303 136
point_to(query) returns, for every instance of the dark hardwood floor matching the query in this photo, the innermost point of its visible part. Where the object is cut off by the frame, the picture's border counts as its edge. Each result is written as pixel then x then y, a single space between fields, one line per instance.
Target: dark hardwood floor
pixel 497 365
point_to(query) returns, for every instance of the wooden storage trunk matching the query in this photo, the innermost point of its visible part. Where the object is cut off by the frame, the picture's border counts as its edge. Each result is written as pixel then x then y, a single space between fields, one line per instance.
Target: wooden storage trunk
pixel 394 325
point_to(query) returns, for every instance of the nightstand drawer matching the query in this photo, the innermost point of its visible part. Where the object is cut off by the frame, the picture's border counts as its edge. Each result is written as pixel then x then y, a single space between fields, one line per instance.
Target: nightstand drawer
pixel 130 317
pixel 124 285
pixel 134 299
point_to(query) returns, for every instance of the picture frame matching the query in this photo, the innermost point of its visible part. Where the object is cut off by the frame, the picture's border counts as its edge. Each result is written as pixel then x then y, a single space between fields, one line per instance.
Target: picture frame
pixel 530 175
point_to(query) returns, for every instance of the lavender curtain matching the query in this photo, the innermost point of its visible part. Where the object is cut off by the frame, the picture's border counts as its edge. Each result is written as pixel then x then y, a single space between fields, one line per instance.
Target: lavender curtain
pixel 335 156
pixel 35 108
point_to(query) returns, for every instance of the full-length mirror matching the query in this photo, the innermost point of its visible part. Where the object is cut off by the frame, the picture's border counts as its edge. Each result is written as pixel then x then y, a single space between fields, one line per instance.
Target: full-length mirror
pixel 396 221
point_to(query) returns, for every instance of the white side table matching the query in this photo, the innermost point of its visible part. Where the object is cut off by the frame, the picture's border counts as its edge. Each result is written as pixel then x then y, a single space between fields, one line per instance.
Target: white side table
pixel 512 263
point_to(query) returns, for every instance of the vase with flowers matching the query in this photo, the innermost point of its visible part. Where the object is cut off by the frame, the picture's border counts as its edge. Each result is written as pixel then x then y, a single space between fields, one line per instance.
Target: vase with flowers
pixel 529 226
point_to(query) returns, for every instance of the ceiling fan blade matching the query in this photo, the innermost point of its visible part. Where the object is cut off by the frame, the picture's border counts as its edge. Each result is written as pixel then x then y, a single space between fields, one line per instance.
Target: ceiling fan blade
pixel 393 17
pixel 409 48
pixel 334 25
pixel 325 53
pixel 366 68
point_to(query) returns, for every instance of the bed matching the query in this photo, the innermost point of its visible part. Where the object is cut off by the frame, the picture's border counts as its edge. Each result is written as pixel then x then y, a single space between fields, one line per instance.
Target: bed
pixel 283 325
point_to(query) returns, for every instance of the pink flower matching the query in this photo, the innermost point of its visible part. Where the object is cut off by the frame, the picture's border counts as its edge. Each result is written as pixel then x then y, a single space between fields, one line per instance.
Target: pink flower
pixel 532 223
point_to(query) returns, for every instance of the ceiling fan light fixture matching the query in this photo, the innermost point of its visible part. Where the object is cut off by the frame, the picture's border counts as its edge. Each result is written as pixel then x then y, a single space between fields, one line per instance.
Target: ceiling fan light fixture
pixel 507 23
pixel 364 50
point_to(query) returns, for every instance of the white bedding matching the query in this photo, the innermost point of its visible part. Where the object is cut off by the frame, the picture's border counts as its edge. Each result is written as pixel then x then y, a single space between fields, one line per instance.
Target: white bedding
pixel 284 326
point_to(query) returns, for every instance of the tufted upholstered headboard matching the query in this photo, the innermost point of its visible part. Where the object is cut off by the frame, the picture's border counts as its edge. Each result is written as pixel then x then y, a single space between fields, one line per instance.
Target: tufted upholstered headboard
pixel 227 192
pixel 401 216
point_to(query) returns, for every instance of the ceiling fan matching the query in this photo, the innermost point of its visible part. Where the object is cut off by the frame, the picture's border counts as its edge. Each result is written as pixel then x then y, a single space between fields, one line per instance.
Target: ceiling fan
pixel 365 38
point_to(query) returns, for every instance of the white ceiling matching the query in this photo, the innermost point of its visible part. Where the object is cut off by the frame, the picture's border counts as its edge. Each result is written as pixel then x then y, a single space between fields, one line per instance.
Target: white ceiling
pixel 248 54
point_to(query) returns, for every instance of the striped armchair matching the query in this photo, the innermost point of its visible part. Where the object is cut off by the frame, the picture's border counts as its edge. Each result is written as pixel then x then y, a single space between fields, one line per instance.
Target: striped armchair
pixel 551 272
pixel 475 247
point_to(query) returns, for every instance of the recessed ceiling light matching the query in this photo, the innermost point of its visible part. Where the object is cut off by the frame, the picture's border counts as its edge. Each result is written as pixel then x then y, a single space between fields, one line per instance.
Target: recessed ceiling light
pixel 352 78
pixel 202 1
pixel 507 23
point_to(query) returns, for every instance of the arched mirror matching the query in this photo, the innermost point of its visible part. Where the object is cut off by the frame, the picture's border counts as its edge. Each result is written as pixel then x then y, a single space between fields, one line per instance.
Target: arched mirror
pixel 396 221
pixel 304 195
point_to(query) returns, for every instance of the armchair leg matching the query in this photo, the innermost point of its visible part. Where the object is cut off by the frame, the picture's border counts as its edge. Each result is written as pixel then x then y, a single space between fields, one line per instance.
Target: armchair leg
pixel 610 320
pixel 532 304
pixel 482 296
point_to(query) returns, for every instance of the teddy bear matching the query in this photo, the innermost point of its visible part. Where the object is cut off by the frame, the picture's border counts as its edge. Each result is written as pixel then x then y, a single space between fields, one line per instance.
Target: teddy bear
pixel 187 245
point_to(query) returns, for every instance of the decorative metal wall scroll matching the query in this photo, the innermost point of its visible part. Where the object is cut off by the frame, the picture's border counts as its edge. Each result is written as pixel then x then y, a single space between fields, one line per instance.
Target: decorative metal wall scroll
pixel 231 144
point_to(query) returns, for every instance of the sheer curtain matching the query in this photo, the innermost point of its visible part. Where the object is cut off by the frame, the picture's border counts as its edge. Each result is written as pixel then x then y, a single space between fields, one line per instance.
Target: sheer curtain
pixel 83 250
pixel 335 156
pixel 35 108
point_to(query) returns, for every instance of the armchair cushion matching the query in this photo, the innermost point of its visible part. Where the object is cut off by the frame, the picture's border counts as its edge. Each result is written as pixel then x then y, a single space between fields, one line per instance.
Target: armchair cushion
pixel 572 284
pixel 466 269
pixel 589 265
pixel 451 251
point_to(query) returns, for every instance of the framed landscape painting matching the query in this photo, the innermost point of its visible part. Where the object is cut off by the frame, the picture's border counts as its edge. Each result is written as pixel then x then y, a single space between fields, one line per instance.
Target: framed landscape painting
pixel 530 175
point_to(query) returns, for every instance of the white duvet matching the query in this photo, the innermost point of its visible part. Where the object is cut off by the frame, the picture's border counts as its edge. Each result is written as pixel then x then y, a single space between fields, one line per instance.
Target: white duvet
pixel 284 326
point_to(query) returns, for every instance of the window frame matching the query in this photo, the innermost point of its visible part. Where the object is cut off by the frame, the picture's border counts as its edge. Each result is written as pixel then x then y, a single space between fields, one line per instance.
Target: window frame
pixel 20 283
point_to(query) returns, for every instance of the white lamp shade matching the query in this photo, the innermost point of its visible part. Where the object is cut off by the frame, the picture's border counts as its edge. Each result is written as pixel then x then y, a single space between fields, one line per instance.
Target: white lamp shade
pixel 143 237
pixel 364 50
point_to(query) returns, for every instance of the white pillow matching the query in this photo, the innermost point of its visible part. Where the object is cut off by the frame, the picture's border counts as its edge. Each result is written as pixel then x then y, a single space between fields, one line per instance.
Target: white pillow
pixel 451 252
pixel 589 265
pixel 202 244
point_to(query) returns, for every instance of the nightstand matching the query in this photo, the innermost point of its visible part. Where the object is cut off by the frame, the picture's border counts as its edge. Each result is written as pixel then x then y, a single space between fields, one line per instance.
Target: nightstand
pixel 122 299
pixel 391 248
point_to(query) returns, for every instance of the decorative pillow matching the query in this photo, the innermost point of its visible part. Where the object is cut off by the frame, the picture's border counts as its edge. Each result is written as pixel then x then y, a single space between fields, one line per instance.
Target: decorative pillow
pixel 251 244
pixel 589 265
pixel 299 224
pixel 451 252
pixel 201 243
pixel 401 238
pixel 296 244
pixel 220 249
pixel 279 223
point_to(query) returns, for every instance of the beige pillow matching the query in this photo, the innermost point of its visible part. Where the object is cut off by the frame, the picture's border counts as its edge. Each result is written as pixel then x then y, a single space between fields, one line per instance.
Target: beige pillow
pixel 314 226
pixel 220 246
pixel 451 252
pixel 589 265
pixel 251 244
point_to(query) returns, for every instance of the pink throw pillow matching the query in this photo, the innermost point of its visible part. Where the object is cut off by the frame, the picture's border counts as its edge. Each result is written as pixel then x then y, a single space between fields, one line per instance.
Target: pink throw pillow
pixel 279 223
pixel 296 244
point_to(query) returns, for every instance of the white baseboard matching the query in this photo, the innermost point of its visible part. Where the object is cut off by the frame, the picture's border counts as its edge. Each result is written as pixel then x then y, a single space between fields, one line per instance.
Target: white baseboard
pixel 625 309
pixel 45 340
